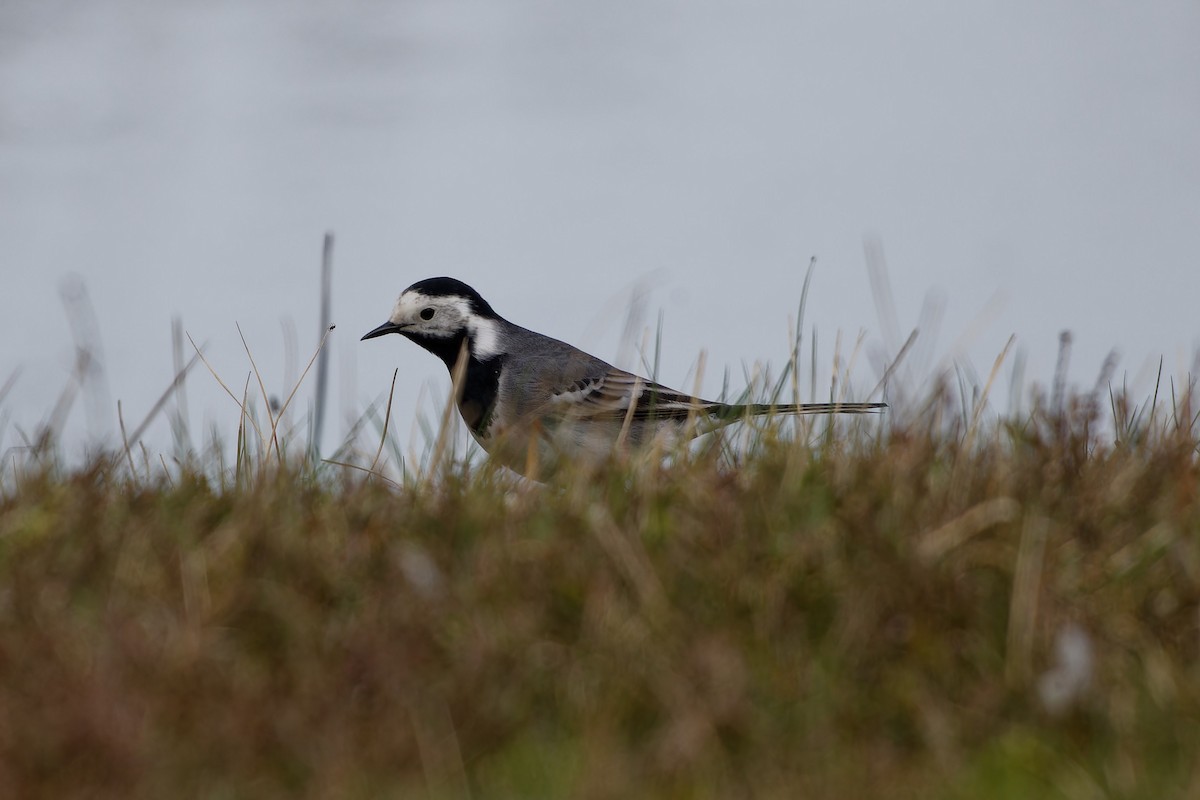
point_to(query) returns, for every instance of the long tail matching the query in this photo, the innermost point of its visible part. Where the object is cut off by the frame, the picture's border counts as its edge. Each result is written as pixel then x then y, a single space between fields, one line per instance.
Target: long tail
pixel 681 407
pixel 757 409
pixel 724 414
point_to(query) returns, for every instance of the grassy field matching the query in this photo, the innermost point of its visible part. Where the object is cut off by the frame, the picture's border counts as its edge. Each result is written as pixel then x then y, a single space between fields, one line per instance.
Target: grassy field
pixel 900 609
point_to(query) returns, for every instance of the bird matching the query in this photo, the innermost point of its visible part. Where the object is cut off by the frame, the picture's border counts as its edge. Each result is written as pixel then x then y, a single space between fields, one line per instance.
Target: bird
pixel 532 401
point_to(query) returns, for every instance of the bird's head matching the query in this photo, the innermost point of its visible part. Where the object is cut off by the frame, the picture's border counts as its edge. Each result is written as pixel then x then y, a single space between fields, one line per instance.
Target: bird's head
pixel 440 314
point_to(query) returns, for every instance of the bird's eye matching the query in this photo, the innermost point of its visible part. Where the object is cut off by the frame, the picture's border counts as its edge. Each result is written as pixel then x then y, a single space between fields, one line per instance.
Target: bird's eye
pixel 427 313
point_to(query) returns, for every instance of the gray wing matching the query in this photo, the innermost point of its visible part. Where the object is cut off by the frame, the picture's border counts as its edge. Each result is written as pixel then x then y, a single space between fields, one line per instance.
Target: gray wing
pixel 615 394
pixel 550 379
pixel 622 395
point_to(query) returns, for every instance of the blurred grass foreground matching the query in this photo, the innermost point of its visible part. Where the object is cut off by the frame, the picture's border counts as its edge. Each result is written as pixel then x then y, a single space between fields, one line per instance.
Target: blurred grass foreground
pixel 903 609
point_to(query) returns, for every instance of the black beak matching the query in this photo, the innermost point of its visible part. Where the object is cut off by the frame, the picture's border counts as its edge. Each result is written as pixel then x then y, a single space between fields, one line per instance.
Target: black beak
pixel 387 327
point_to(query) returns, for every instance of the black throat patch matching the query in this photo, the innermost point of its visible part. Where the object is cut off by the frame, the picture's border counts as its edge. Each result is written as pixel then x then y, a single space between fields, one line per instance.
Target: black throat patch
pixel 447 348
pixel 481 384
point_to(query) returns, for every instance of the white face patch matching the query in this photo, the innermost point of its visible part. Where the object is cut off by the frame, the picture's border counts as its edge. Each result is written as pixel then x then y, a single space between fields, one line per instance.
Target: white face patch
pixel 450 314
pixel 402 311
pixel 485 337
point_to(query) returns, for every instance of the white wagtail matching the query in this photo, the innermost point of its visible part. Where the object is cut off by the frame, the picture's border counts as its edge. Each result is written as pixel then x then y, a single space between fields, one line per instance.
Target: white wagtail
pixel 528 399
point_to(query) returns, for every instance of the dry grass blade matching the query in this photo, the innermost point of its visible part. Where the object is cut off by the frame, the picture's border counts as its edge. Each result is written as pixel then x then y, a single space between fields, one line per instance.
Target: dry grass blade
pixel 369 470
pixel 166 471
pixel 243 451
pixel 697 387
pixel 241 404
pixel 981 402
pixel 836 367
pixel 908 343
pixel 291 395
pixel 881 291
pixel 271 418
pixel 387 418
pixel 796 333
pixel 66 398
pixel 179 421
pixel 9 383
pixel 1059 392
pixel 323 360
pixel 812 367
pixel 176 383
pixel 1023 607
pixel 626 423
pixel 85 331
pixel 125 441
pixel 979 518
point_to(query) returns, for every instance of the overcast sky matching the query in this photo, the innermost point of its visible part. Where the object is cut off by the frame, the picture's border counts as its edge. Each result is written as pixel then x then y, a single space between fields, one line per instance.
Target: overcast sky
pixel 1028 167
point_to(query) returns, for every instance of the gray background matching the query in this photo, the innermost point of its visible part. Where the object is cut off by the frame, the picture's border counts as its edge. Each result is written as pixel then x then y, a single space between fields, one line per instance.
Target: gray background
pixel 1030 167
